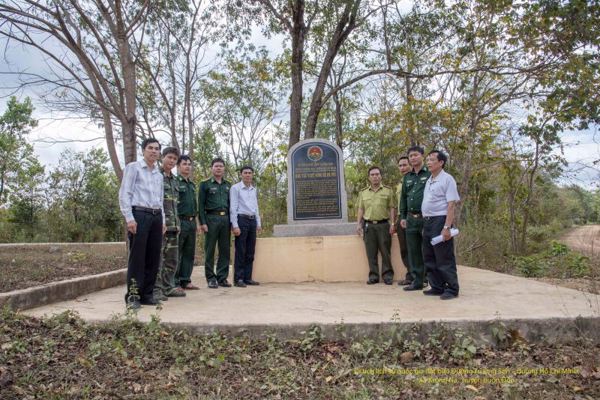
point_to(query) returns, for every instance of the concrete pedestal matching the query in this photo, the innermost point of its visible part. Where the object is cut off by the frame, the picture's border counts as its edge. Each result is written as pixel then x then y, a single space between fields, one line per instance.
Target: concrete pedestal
pixel 317 259
pixel 315 229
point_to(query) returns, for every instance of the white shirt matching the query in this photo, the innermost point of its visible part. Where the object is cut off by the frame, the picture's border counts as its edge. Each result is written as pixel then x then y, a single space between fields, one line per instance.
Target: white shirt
pixel 142 187
pixel 243 200
pixel 439 191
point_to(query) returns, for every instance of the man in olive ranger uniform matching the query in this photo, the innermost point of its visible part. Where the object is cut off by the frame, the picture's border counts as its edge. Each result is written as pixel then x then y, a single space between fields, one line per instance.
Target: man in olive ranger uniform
pixel 165 281
pixel 411 217
pixel 376 214
pixel 187 211
pixel 213 211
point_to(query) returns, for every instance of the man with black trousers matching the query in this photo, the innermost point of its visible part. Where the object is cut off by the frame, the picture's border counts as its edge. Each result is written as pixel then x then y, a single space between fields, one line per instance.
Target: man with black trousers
pixel 141 202
pixel 411 217
pixel 245 224
pixel 213 211
pixel 439 200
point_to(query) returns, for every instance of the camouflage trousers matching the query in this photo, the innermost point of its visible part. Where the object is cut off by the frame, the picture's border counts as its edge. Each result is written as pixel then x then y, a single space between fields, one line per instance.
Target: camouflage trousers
pixel 165 279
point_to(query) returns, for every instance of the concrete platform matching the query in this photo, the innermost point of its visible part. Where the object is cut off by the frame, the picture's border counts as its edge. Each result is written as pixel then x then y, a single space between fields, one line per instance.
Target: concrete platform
pixel 485 296
pixel 316 259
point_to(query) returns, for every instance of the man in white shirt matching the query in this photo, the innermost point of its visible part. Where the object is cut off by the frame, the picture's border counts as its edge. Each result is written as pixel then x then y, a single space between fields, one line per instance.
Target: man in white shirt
pixel 439 200
pixel 141 202
pixel 245 224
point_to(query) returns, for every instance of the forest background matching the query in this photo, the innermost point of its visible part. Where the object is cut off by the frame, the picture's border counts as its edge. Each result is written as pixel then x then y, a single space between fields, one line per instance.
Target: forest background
pixel 495 84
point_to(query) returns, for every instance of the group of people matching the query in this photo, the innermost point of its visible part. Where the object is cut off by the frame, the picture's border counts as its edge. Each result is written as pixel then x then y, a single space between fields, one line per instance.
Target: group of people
pixel 164 214
pixel 426 199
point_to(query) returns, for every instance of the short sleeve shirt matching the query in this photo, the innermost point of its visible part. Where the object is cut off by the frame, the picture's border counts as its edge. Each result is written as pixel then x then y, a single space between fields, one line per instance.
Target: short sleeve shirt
pixel 377 204
pixel 439 191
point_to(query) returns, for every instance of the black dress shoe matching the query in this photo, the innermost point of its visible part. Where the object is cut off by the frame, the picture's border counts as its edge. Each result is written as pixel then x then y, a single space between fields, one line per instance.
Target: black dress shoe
pixel 212 284
pixel 239 283
pixel 388 281
pixel 448 296
pixel 372 282
pixel 432 292
pixel 251 282
pixel 412 287
pixel 150 302
pixel 404 282
pixel 224 283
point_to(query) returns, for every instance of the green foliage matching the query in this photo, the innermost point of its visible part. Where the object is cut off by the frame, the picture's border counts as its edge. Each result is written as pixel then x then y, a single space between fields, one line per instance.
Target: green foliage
pixel 17 160
pixel 556 261
pixel 76 201
pixel 84 198
pixel 464 347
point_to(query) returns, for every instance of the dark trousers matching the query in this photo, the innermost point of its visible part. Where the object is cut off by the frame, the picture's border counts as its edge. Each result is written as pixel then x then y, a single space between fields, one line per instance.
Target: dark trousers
pixel 144 254
pixel 187 252
pixel 414 239
pixel 403 250
pixel 439 260
pixel 244 248
pixel 378 240
pixel 218 232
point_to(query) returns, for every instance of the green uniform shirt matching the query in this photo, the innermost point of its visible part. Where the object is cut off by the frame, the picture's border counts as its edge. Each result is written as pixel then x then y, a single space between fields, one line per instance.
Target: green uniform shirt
pixel 186 207
pixel 399 193
pixel 377 204
pixel 413 187
pixel 212 196
pixel 170 201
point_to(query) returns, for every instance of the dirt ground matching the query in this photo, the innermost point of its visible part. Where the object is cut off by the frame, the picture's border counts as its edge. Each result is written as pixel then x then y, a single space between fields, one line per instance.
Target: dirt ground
pixel 585 239
pixel 26 266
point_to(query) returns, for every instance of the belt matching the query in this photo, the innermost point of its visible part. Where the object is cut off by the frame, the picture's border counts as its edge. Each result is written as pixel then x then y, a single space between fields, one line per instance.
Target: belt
pixel 187 217
pixel 434 217
pixel 152 211
pixel 217 212
pixel 247 216
pixel 415 215
pixel 381 221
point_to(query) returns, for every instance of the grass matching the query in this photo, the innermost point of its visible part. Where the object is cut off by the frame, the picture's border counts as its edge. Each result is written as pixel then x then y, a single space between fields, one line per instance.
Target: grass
pixel 65 357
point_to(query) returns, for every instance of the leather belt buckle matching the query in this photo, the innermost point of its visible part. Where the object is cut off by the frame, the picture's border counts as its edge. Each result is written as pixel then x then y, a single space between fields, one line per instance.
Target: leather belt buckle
pixel 375 222
pixel 221 213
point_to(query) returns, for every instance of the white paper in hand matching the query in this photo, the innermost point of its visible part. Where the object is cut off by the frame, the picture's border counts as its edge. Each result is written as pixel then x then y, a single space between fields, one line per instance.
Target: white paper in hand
pixel 440 238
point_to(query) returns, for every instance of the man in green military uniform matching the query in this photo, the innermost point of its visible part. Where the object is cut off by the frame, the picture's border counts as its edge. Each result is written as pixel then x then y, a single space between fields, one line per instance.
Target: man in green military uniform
pixel 165 280
pixel 404 167
pixel 187 211
pixel 411 217
pixel 376 215
pixel 213 211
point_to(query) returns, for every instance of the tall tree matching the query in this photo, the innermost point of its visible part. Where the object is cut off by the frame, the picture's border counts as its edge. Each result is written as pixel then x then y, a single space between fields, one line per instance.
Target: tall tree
pixel 245 93
pixel 172 66
pixel 16 154
pixel 88 49
pixel 297 20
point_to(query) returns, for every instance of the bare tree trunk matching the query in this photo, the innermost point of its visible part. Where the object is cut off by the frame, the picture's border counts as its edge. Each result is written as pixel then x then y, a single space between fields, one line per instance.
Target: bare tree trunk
pixel 410 126
pixel 345 26
pixel 339 138
pixel 523 244
pixel 463 189
pixel 129 120
pixel 110 144
pixel 298 33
